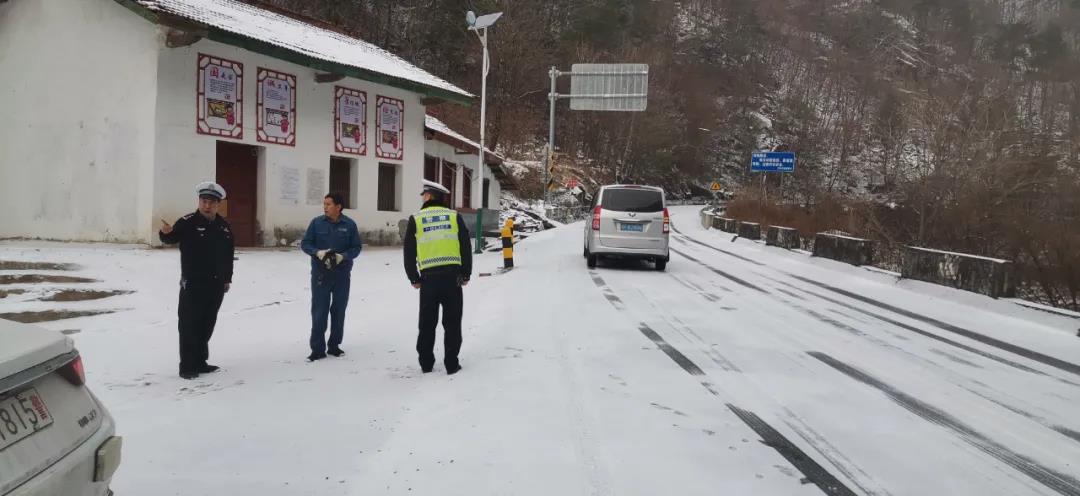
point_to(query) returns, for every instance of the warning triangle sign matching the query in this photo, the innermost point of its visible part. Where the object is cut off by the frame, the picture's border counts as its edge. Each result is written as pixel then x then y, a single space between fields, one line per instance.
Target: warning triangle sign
pixel 715 186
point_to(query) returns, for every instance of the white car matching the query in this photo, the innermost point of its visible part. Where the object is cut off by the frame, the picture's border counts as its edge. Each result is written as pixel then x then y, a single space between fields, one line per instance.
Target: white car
pixel 628 221
pixel 56 438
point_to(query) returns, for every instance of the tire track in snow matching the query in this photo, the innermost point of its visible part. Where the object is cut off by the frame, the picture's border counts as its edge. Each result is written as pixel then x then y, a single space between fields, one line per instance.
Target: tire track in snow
pixel 690 334
pixel 842 463
pixel 936 337
pixel 813 472
pixel 973 335
pixel 721 273
pixel 1065 431
pixel 1059 482
pixel 880 317
pixel 721 250
pixel 1072 434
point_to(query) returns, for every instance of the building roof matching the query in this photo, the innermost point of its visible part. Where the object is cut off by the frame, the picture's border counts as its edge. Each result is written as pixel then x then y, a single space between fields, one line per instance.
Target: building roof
pixel 439 127
pixel 284 37
pixel 494 160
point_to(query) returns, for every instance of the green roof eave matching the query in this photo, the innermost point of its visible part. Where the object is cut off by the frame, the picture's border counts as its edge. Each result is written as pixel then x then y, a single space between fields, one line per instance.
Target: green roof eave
pixel 271 50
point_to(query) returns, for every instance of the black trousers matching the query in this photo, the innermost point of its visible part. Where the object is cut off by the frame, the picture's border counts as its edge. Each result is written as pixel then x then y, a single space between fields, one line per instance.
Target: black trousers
pixel 197 312
pixel 439 290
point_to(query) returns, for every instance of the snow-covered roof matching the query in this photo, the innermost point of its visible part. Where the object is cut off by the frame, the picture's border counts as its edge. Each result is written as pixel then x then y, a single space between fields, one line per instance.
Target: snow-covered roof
pixel 440 127
pixel 305 39
pixel 493 160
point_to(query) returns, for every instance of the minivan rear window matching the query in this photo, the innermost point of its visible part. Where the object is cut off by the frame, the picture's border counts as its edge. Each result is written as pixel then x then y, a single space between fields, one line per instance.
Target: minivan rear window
pixel 632 200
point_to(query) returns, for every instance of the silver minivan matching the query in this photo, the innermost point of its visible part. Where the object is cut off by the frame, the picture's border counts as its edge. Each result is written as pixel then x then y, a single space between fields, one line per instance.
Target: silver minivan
pixel 56 438
pixel 628 221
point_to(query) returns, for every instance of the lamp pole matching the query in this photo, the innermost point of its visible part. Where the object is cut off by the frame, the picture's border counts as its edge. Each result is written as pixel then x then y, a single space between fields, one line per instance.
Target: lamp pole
pixel 478 24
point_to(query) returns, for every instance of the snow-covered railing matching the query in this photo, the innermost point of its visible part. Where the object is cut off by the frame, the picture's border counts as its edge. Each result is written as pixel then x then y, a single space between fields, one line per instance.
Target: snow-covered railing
pixel 750 230
pixel 727 225
pixel 989 276
pixel 707 219
pixel 855 251
pixel 784 237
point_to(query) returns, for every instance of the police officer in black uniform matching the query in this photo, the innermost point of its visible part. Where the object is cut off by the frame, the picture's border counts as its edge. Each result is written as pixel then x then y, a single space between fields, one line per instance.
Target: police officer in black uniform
pixel 206 268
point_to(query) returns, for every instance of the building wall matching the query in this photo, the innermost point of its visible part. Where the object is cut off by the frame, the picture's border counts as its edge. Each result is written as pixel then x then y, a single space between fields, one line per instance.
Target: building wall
pixel 77 89
pixel 436 148
pixel 185 158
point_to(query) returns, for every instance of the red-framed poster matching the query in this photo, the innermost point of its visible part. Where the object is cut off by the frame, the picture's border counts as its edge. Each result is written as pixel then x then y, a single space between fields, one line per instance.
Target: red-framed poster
pixel 350 121
pixel 389 128
pixel 275 107
pixel 220 97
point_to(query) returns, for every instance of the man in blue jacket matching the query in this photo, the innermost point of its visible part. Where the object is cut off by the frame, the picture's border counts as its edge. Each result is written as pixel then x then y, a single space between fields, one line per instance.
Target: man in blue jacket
pixel 333 241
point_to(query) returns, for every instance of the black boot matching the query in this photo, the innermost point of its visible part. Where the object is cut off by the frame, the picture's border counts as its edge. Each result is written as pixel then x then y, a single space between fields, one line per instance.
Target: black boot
pixel 336 352
pixel 207 368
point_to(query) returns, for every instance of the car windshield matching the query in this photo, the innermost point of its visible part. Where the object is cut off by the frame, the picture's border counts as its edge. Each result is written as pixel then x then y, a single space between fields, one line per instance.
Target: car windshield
pixel 633 200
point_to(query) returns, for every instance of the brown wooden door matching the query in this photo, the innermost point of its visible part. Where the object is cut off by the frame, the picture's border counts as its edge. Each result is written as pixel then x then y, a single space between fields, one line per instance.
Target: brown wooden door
pixel 448 172
pixel 431 168
pixel 466 193
pixel 237 172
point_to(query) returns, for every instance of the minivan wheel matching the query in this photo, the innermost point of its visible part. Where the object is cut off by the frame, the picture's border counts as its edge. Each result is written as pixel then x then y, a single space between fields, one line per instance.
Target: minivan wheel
pixel 661 264
pixel 590 260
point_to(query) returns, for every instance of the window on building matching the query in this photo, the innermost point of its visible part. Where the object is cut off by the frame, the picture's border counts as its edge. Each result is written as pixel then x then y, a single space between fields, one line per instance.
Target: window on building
pixel 448 172
pixel 341 180
pixel 389 186
pixel 431 168
pixel 467 187
pixel 487 188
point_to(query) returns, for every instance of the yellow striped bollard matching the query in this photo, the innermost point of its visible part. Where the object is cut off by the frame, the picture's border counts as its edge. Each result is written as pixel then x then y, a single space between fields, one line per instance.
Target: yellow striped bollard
pixel 507 235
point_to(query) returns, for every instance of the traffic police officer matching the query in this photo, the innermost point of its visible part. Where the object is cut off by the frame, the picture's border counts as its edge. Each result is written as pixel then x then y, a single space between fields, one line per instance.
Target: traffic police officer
pixel 206 270
pixel 437 243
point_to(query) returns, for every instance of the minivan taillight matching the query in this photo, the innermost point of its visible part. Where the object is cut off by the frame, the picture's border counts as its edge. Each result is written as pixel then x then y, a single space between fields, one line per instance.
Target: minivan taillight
pixel 73 372
pixel 667 222
pixel 596 218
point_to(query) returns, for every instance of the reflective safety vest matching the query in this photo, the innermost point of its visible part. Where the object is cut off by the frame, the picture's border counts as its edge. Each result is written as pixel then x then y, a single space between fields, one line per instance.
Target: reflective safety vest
pixel 437 238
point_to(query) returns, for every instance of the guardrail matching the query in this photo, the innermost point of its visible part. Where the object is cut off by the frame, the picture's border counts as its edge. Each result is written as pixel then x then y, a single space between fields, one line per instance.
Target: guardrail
pixel 992 277
pixel 784 237
pixel 750 230
pixel 855 251
pixel 989 276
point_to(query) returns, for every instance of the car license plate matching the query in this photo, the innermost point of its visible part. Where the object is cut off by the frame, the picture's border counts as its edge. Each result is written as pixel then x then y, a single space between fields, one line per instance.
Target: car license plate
pixel 21 416
pixel 632 227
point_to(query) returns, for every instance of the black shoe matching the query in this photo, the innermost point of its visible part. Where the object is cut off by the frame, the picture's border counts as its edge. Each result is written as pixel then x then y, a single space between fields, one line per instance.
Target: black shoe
pixel 206 369
pixel 312 357
pixel 451 370
pixel 189 375
pixel 336 352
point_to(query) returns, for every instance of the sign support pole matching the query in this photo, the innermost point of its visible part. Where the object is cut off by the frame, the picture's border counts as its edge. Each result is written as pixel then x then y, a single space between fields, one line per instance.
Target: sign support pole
pixel 549 157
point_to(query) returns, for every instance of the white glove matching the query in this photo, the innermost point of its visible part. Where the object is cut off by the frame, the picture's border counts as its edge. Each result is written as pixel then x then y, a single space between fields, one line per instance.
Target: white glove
pixel 340 257
pixel 321 254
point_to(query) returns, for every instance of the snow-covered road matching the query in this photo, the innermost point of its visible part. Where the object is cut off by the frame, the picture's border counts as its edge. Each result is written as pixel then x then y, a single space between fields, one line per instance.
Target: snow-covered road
pixel 742 369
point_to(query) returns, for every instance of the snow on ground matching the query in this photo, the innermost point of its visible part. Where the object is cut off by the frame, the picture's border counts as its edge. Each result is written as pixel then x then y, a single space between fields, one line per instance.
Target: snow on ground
pixel 621 380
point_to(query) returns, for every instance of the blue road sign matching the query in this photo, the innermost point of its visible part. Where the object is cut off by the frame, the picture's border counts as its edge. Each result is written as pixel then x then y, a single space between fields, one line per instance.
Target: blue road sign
pixel 772 162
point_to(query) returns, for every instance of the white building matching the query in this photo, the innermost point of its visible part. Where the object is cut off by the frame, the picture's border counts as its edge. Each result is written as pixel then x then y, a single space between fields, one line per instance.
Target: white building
pixel 115 109
pixel 451 159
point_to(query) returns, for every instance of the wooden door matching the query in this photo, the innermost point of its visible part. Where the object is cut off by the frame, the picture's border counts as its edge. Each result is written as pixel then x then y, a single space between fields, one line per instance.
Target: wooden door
pixel 237 172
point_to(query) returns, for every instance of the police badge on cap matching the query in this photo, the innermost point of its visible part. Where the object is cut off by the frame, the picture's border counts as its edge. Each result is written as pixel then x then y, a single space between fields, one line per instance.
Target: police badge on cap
pixel 210 189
